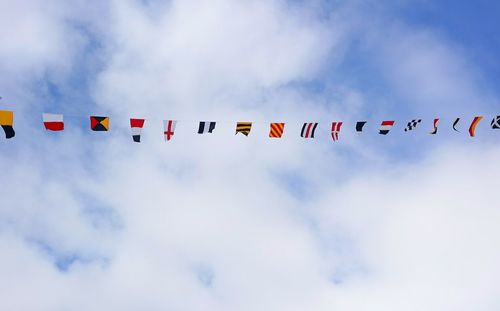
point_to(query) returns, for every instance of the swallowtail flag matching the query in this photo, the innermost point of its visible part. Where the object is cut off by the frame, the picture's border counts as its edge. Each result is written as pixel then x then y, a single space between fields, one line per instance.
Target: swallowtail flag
pixel 495 123
pixel 276 130
pixel 435 130
pixel 53 122
pixel 385 127
pixel 7 123
pixel 410 126
pixel 336 126
pixel 169 129
pixel 136 126
pixel 360 125
pixel 243 128
pixel 472 128
pixel 308 130
pixel 455 124
pixel 99 124
pixel 206 127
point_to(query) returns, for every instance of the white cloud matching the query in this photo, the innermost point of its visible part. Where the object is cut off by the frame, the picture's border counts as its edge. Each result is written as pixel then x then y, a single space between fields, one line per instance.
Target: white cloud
pixel 224 222
pixel 427 233
pixel 200 55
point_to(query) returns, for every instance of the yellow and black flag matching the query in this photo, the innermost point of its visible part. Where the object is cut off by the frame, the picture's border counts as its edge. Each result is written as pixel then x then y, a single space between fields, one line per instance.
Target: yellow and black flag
pixel 99 124
pixel 243 128
pixel 7 123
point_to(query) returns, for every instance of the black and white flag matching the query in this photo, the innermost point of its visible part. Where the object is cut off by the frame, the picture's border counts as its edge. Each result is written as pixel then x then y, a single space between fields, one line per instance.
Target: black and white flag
pixel 206 127
pixel 412 124
pixel 495 123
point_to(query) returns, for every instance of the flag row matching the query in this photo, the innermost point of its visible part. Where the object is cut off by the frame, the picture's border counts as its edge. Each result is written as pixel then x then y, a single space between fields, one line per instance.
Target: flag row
pixel 55 122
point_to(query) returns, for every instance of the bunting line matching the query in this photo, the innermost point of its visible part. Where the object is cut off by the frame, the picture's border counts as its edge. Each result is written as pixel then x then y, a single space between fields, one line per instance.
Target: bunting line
pixel 55 122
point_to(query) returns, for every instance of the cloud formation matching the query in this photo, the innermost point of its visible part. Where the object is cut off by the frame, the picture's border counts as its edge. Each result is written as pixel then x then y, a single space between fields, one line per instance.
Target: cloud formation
pixel 225 222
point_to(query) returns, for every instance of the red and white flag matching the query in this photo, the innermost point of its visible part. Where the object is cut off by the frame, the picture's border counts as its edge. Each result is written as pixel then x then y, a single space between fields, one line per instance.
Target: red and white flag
pixel 53 122
pixel 385 127
pixel 136 126
pixel 435 130
pixel 169 128
pixel 336 126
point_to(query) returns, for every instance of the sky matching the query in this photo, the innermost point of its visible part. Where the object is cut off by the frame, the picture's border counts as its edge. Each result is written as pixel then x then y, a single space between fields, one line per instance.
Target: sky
pixel 93 221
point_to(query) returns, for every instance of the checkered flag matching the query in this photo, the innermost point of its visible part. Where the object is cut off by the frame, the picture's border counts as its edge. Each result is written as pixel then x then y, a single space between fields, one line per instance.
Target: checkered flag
pixel 412 124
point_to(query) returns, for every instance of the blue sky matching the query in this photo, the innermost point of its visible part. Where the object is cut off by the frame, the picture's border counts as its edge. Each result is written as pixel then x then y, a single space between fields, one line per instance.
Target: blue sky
pixel 470 25
pixel 227 222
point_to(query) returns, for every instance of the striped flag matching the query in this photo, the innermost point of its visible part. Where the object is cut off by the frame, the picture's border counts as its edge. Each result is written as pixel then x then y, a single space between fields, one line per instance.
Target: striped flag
pixel 308 130
pixel 455 125
pixel 243 128
pixel 385 127
pixel 53 122
pixel 472 128
pixel 276 130
pixel 336 126
pixel 169 129
pixel 435 130
pixel 206 127
pixel 136 126
pixel 360 125
pixel 7 123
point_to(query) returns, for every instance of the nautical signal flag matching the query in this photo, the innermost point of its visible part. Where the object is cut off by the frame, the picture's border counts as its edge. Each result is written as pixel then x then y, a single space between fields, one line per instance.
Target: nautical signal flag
pixel 136 126
pixel 206 127
pixel 53 122
pixel 385 127
pixel 455 124
pixel 308 130
pixel 7 123
pixel 336 126
pixel 495 123
pixel 243 128
pixel 360 125
pixel 276 130
pixel 169 129
pixel 435 130
pixel 99 124
pixel 472 128
pixel 412 124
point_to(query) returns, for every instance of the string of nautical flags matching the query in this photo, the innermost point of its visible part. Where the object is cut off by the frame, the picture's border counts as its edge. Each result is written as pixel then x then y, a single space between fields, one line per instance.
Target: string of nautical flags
pixel 55 122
